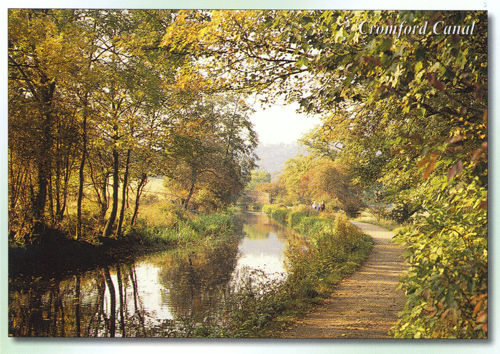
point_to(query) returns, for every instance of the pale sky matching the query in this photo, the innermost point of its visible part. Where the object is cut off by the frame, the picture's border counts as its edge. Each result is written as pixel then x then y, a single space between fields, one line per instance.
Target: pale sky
pixel 281 124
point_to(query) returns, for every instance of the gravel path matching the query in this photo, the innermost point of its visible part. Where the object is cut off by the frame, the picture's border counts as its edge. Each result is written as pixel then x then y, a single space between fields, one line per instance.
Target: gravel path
pixel 364 305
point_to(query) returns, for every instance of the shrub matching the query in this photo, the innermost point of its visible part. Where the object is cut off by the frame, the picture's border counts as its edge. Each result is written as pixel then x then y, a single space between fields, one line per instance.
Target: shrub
pixel 296 218
pixel 281 215
pixel 212 224
pixel 333 249
pixel 268 209
pixel 447 283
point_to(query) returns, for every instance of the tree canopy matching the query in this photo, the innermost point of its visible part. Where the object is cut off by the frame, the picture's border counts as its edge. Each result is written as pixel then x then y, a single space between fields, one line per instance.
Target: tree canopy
pixel 95 108
pixel 403 96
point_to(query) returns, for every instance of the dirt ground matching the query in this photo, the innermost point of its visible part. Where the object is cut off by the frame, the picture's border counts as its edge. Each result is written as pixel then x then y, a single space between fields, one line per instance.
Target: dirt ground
pixel 366 304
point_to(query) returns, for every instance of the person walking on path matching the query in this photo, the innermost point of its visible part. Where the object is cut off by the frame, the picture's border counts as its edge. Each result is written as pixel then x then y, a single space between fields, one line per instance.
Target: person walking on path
pixel 364 305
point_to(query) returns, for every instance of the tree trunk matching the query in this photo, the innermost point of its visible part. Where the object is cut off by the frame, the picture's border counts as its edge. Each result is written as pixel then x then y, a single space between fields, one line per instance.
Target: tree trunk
pixel 57 184
pixel 81 175
pixel 101 189
pixel 124 194
pixel 67 175
pixel 44 159
pixel 114 209
pixel 190 194
pixel 140 187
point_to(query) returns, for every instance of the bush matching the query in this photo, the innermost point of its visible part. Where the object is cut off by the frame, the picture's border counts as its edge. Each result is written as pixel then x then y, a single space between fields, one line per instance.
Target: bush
pixel 281 215
pixel 447 284
pixel 296 218
pixel 268 209
pixel 332 250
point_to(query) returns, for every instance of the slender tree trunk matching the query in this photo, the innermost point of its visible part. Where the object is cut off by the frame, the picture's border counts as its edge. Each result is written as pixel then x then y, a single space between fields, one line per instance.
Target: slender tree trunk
pixel 51 199
pixel 81 174
pixel 103 201
pixel 101 188
pixel 114 208
pixel 57 184
pixel 124 194
pixel 140 187
pixel 191 192
pixel 60 212
pixel 44 162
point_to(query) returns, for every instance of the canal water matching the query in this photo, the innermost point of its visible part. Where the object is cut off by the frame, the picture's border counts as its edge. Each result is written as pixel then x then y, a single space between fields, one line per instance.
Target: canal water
pixel 155 295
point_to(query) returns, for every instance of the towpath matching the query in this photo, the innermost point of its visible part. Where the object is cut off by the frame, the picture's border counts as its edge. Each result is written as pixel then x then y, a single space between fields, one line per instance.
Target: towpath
pixel 364 305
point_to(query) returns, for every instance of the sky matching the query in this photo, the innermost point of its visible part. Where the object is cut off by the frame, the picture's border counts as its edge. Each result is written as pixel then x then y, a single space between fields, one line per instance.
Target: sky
pixel 281 124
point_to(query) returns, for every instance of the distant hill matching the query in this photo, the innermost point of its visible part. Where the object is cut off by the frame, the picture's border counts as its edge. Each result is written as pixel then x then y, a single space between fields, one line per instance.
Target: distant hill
pixel 273 156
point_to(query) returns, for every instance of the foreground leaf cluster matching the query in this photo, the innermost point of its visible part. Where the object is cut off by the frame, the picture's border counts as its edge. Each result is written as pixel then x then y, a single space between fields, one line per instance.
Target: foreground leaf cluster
pixel 447 282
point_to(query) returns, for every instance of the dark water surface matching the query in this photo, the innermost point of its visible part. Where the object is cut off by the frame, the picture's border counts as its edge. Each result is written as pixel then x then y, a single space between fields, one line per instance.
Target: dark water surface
pixel 150 296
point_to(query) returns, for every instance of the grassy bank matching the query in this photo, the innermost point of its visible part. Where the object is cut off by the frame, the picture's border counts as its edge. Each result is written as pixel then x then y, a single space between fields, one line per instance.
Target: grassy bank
pixel 330 249
pixel 183 231
pixel 63 255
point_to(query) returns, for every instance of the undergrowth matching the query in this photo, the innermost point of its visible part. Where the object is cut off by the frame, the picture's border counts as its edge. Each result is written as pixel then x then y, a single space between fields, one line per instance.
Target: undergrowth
pixel 184 231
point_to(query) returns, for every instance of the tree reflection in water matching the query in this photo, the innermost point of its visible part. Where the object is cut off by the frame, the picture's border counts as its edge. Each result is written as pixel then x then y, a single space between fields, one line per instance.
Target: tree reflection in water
pixel 107 302
pixel 162 295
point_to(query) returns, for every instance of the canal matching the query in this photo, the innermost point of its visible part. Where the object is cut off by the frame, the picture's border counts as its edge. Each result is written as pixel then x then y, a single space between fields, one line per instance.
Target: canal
pixel 155 295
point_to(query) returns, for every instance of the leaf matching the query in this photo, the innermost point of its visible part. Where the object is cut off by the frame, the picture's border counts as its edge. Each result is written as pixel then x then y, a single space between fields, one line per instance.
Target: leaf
pixel 418 67
pixel 423 162
pixel 339 36
pixel 455 170
pixel 444 314
pixel 302 62
pixel 439 85
pixel 430 167
pixel 452 172
pixel 482 316
pixel 435 82
pixel 477 307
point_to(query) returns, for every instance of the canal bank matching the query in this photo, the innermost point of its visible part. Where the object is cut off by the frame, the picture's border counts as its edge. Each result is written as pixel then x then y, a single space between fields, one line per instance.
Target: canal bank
pixel 167 291
pixel 249 285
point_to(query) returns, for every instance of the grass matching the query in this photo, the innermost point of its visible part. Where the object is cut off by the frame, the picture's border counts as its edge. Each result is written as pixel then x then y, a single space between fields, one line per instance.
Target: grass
pixel 184 230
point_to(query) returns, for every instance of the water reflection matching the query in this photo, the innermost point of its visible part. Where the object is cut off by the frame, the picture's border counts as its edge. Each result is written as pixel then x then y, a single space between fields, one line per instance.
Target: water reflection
pixel 152 296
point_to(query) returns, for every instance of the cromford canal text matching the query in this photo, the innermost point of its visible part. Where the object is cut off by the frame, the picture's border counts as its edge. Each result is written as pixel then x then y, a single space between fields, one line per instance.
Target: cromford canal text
pixel 405 29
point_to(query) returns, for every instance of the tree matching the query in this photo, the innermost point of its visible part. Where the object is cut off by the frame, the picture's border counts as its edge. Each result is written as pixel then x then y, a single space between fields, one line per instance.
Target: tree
pixel 257 177
pixel 210 149
pixel 274 189
pixel 335 181
pixel 322 60
pixel 42 66
pixel 81 88
pixel 294 178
